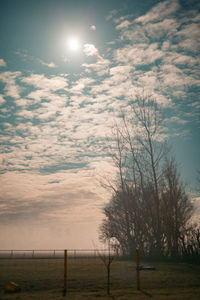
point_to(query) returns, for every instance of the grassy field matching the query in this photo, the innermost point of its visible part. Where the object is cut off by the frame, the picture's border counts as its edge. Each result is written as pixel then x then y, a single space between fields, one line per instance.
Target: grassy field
pixel 43 279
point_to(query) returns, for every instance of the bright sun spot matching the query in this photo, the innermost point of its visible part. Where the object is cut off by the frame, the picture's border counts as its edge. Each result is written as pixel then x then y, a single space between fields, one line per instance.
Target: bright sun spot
pixel 73 44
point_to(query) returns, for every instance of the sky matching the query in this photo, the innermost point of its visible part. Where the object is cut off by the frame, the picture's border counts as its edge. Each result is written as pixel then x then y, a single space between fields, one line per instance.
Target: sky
pixel 67 69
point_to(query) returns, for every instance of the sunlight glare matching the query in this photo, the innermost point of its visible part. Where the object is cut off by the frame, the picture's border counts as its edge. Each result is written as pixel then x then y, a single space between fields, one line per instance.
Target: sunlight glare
pixel 73 44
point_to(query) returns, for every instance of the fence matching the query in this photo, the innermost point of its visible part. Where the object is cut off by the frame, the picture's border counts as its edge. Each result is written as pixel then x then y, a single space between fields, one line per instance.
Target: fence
pixel 55 254
pixel 43 270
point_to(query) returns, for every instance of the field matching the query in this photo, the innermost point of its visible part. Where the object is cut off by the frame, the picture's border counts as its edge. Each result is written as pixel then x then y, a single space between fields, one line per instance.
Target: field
pixel 86 279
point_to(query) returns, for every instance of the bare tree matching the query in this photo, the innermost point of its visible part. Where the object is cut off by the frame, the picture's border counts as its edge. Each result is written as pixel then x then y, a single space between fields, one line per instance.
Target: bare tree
pixel 190 245
pixel 147 187
pixel 148 116
pixel 107 259
pixel 176 209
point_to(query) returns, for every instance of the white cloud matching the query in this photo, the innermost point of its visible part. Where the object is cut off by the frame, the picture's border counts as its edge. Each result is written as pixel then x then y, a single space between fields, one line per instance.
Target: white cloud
pixel 90 50
pixel 121 72
pixel 40 81
pixel 111 14
pixel 23 102
pixel 139 54
pixel 2 63
pixel 93 27
pixel 173 65
pixel 178 120
pixel 162 29
pixel 190 30
pixel 174 77
pixel 160 11
pixel 47 202
pixel 188 38
pixel 50 65
pixel 136 34
pixel 80 84
pixel 185 60
pixel 46 94
pixel 11 88
pixel 101 66
pixel 26 114
pixel 123 25
pixel 2 100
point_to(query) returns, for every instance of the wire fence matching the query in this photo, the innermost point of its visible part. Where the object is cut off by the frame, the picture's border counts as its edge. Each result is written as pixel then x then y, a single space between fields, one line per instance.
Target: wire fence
pixel 35 270
pixel 83 271
pixel 54 254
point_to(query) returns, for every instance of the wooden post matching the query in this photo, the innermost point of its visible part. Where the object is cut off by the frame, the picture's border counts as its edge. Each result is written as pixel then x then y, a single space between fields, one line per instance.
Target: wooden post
pixel 138 269
pixel 65 273
pixel 108 278
pixel 108 269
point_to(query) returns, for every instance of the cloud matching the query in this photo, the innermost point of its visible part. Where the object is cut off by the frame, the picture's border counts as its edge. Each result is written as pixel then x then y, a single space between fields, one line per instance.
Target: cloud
pixel 101 67
pixel 37 207
pixel 140 54
pixel 50 65
pixel 123 25
pixel 158 12
pixel 162 47
pixel 35 197
pixel 188 37
pixel 111 14
pixel 2 63
pixel 47 94
pixel 41 81
pixel 2 100
pixel 90 50
pixel 178 120
pixel 182 60
pixel 81 84
pixel 11 88
pixel 162 29
pixel 93 27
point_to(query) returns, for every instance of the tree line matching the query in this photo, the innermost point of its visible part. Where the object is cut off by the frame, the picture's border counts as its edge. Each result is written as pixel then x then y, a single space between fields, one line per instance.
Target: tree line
pixel 149 208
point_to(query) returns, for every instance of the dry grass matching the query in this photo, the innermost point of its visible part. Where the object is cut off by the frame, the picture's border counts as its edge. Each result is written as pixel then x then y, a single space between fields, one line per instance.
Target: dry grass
pixel 43 279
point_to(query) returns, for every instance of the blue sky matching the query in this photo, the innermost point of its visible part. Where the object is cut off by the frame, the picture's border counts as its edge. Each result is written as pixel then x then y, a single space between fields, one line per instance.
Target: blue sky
pixel 58 105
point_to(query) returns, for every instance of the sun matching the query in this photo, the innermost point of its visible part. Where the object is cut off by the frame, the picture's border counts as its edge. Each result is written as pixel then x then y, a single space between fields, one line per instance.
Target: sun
pixel 73 44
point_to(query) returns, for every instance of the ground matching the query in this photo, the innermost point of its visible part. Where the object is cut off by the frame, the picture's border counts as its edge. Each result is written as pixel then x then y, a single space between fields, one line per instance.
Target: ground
pixel 86 279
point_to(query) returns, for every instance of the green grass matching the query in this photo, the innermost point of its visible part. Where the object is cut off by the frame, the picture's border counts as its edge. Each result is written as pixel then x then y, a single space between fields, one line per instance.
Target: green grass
pixel 43 279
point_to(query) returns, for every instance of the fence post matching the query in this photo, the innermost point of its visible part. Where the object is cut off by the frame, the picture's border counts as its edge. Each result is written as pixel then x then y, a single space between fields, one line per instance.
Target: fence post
pixel 138 269
pixel 65 273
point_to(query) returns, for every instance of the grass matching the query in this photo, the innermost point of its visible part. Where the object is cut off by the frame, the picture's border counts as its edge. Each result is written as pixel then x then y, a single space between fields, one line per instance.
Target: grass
pixel 43 279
